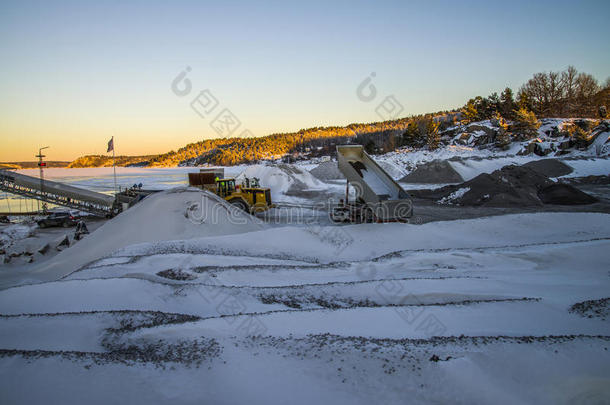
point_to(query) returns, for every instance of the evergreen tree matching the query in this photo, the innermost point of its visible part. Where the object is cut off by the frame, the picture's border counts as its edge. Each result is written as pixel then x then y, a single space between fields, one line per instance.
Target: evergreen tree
pixel 470 112
pixel 493 102
pixel 503 139
pixel 525 124
pixel 507 103
pixel 524 101
pixel 433 136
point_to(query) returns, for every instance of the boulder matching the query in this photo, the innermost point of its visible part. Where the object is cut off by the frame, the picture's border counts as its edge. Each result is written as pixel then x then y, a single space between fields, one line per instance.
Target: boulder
pixel 490 132
pixel 44 249
pixel 528 150
pixel 464 138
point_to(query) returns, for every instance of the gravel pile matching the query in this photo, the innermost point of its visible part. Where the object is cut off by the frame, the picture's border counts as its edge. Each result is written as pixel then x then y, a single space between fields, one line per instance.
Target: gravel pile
pixel 511 186
pixel 327 171
pixel 434 172
pixel 550 167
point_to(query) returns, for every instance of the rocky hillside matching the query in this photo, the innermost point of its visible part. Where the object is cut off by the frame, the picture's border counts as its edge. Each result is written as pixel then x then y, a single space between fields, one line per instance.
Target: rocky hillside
pixel 553 137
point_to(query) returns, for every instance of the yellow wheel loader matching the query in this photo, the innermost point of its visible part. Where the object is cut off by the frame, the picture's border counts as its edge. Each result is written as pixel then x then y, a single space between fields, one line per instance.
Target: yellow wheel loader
pixel 248 196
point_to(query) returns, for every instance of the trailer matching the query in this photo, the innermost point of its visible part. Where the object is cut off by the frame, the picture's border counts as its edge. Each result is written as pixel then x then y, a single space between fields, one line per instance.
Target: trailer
pixel 378 197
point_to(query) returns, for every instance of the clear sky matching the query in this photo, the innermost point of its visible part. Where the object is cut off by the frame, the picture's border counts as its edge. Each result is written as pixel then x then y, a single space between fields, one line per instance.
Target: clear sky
pixel 75 73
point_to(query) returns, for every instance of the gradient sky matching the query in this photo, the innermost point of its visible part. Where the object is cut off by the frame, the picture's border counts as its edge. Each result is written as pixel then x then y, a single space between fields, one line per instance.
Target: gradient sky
pixel 76 73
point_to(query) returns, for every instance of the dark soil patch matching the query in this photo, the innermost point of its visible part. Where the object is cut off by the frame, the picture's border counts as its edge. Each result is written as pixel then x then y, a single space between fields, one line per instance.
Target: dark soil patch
pixel 178 274
pixel 592 308
pixel 308 301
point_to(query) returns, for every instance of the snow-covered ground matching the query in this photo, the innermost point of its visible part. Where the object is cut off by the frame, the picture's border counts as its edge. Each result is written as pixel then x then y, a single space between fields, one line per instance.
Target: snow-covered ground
pixel 470 311
pixel 180 299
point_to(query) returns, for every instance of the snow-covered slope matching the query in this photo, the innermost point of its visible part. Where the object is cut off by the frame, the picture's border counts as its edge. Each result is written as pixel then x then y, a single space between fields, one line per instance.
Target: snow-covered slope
pixel 471 311
pixel 174 214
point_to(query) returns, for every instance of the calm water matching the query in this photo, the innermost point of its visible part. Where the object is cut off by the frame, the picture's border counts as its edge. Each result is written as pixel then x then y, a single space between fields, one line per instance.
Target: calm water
pixel 102 181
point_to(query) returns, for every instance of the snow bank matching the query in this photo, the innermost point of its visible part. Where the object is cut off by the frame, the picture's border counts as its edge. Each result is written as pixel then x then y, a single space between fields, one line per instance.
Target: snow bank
pixel 366 241
pixel 588 167
pixel 180 213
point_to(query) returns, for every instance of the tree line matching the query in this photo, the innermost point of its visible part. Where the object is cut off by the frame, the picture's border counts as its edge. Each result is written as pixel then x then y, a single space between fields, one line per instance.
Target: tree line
pixel 548 94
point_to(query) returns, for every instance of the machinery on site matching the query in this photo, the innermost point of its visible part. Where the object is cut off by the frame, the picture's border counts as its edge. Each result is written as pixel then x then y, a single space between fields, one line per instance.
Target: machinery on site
pixel 65 195
pixel 57 193
pixel 378 198
pixel 248 195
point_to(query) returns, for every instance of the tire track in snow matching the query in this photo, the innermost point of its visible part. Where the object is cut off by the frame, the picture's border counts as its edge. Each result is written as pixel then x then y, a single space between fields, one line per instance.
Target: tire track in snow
pixel 400 253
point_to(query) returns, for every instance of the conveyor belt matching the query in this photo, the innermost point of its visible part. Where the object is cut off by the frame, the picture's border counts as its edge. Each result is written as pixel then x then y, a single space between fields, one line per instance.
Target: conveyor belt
pixel 56 193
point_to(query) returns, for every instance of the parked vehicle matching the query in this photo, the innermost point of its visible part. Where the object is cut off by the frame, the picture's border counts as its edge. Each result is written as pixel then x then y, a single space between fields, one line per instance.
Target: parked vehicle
pixel 64 218
pixel 249 196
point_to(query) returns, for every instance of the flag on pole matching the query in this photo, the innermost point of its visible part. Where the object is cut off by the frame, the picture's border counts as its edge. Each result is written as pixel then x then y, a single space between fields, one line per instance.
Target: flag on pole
pixel 110 145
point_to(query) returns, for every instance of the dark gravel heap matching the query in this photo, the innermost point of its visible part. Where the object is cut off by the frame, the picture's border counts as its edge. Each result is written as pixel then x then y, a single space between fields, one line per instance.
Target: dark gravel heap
pixel 435 172
pixel 510 186
pixel 550 167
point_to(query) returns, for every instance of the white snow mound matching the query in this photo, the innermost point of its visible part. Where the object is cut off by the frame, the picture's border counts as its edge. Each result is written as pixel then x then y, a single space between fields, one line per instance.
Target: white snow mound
pixel 282 179
pixel 179 213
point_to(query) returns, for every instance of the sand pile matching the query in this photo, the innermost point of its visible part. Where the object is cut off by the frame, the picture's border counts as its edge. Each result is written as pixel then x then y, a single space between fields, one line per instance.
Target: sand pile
pixel 283 179
pixel 179 213
pixel 511 186
pixel 550 167
pixel 327 171
pixel 434 172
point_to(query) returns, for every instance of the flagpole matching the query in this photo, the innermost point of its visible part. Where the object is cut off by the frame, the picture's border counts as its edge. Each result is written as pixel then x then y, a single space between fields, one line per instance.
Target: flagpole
pixel 113 165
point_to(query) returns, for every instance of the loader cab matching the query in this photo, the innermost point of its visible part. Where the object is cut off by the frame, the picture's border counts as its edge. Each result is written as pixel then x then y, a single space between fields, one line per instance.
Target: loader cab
pixel 225 187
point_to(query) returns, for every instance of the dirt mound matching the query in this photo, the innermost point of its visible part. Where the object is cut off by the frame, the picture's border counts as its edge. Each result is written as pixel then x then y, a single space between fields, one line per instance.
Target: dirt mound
pixel 550 167
pixel 434 172
pixel 511 186
pixel 564 194
pixel 327 171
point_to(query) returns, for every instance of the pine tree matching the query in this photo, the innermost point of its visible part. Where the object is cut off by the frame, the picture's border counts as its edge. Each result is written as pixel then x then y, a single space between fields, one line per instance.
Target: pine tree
pixel 523 100
pixel 470 112
pixel 412 136
pixel 503 139
pixel 507 103
pixel 433 136
pixel 526 124
pixel 579 135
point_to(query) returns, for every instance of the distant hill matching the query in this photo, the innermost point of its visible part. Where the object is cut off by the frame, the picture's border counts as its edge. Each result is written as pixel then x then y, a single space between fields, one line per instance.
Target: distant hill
pixel 232 151
pixel 106 161
pixel 32 165
pixel 567 94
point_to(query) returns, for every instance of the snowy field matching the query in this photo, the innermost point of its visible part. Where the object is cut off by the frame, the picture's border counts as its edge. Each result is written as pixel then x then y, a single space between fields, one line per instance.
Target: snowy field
pixel 469 311
pixel 181 299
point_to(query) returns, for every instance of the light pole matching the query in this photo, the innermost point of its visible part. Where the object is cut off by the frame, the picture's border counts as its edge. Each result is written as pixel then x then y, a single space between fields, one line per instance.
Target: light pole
pixel 41 165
